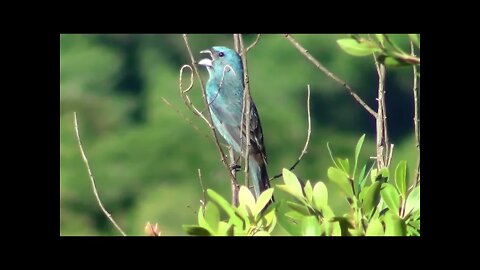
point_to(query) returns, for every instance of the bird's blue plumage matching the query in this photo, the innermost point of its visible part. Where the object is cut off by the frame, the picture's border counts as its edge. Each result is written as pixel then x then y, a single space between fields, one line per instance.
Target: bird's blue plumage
pixel 225 89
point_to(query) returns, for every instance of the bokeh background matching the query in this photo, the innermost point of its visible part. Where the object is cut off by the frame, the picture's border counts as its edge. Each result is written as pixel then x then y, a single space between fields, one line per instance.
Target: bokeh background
pixel 145 154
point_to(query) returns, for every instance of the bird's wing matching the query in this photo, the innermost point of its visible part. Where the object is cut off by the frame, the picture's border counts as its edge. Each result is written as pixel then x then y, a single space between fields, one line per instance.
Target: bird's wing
pixel 231 125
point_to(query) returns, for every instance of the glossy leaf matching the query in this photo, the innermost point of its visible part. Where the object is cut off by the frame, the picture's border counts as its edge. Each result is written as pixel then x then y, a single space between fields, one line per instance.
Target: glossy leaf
pixel 308 191
pixel 390 196
pixel 344 165
pixel 311 226
pixel 246 198
pixel 320 195
pixel 353 47
pixel 413 200
pixel 358 148
pixel 292 182
pixel 371 197
pixel 341 180
pixel 212 216
pixel 394 225
pixel 401 178
pixel 262 200
pixel 225 206
pixel 375 228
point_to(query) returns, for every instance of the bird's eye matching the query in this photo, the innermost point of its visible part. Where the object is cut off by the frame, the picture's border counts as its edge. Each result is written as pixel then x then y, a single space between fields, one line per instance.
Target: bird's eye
pixel 221 54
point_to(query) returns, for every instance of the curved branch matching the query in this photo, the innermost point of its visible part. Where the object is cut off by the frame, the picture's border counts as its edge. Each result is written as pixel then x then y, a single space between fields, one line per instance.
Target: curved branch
pixel 304 150
pixel 92 180
pixel 209 120
pixel 312 59
pixel 253 44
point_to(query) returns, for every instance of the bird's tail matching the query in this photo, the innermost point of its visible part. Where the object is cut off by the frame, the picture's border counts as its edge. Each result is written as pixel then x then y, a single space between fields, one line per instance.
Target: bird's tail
pixel 258 174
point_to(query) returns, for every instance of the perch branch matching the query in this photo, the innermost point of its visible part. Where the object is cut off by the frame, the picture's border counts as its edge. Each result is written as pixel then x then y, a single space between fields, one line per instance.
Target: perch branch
pixel 329 74
pixel 253 44
pixel 416 119
pixel 92 180
pixel 304 150
pixel 209 120
pixel 381 126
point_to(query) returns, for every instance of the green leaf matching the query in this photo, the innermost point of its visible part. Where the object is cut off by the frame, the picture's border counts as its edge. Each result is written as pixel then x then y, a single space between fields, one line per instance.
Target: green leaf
pixel 288 190
pixel 345 225
pixel 201 219
pixel 302 209
pixel 414 38
pixel 212 216
pixel 371 197
pixel 225 229
pixel 246 199
pixel 290 225
pixel 401 178
pixel 308 191
pixel 345 165
pixel 361 179
pixel 380 38
pixel 391 61
pixel 292 182
pixel 220 201
pixel 331 156
pixel 262 200
pixel 353 47
pixel 196 230
pixel 381 175
pixel 358 148
pixel 311 226
pixel 332 228
pixel 320 195
pixel 413 201
pixel 341 180
pixel 390 197
pixel 394 225
pixel 375 228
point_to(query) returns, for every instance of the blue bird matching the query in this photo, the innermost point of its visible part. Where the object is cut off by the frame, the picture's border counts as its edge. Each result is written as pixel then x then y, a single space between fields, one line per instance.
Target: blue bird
pixel 225 88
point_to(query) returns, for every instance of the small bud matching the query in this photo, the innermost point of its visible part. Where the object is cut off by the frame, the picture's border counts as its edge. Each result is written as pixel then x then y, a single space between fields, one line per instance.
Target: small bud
pixel 151 230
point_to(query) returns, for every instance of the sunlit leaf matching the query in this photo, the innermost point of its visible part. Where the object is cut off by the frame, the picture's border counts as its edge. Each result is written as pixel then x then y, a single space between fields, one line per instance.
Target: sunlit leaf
pixel 394 225
pixel 413 200
pixel 262 200
pixel 292 182
pixel 358 148
pixel 401 178
pixel 320 195
pixel 341 180
pixel 375 228
pixel 353 47
pixel 311 226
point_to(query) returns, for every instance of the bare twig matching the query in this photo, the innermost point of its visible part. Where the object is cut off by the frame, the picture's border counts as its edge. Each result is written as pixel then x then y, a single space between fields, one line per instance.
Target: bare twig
pixel 203 201
pixel 304 150
pixel 92 180
pixel 416 119
pixel 233 170
pixel 382 135
pixel 246 108
pixel 209 120
pixel 236 42
pixel 312 59
pixel 186 98
pixel 253 44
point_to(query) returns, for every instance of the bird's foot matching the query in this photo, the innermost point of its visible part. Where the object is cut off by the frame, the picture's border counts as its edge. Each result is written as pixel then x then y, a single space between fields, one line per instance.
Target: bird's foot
pixel 235 167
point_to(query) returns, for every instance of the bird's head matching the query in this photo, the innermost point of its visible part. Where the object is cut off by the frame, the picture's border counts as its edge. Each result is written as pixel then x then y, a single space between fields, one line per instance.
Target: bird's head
pixel 221 57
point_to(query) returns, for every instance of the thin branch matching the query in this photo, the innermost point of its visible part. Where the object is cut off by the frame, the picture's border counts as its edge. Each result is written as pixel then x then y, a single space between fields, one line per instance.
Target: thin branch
pixel 203 201
pixel 246 108
pixel 233 170
pixel 186 98
pixel 253 44
pixel 416 119
pixel 92 180
pixel 304 150
pixel 209 120
pixel 312 59
pixel 381 121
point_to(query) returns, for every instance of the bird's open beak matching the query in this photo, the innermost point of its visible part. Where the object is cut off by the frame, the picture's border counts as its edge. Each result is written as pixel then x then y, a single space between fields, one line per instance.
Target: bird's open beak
pixel 206 62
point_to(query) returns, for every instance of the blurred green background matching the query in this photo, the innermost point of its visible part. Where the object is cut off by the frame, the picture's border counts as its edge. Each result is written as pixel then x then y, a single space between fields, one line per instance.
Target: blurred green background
pixel 144 154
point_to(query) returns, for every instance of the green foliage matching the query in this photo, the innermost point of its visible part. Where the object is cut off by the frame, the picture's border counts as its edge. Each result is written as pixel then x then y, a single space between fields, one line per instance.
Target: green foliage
pixel 146 168
pixel 377 210
pixel 389 52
